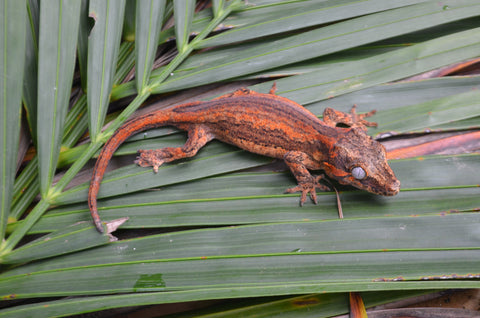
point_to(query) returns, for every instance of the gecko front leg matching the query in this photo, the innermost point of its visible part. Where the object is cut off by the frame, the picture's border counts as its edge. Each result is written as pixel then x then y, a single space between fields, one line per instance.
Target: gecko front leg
pixel 198 136
pixel 307 184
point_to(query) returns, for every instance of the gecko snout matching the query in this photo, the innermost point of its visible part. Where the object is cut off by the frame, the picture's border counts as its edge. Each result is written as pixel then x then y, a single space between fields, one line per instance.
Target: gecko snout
pixel 393 188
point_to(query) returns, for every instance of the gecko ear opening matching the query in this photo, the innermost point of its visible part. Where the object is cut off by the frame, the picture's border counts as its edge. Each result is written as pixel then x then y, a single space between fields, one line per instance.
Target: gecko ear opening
pixel 358 173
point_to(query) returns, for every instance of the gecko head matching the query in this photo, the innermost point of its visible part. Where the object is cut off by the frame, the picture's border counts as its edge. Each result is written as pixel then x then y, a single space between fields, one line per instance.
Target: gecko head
pixel 360 161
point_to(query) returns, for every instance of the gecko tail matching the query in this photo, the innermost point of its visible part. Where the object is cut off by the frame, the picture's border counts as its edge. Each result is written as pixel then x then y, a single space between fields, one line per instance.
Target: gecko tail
pixel 131 127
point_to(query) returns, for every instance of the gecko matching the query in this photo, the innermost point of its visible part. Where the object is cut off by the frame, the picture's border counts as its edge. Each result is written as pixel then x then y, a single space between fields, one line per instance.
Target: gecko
pixel 269 125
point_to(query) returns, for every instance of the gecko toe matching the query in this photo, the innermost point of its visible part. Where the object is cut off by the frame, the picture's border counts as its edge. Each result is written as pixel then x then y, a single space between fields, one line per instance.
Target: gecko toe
pixel 313 196
pixel 309 188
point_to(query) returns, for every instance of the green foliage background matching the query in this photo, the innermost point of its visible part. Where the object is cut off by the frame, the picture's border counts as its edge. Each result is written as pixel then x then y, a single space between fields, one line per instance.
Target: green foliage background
pixel 230 234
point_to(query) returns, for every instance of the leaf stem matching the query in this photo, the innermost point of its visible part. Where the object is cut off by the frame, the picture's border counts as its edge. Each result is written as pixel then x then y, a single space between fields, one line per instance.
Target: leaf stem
pixel 29 221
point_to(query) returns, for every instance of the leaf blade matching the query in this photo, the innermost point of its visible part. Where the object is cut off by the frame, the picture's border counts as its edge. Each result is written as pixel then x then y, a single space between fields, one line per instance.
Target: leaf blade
pixel 103 46
pixel 73 238
pixel 55 69
pixel 12 61
pixel 31 67
pixel 147 29
pixel 366 270
pixel 317 42
pixel 267 20
pixel 183 14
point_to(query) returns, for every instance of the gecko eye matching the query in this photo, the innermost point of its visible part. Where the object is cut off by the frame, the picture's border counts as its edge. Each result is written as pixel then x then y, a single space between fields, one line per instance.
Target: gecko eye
pixel 358 173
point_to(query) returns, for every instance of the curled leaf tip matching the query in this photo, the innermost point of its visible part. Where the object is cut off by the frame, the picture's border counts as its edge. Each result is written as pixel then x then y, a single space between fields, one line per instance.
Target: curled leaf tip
pixel 112 226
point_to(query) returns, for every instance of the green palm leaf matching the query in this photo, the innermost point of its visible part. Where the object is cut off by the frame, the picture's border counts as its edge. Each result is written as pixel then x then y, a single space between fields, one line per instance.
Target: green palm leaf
pixel 12 49
pixel 183 11
pixel 54 84
pixel 149 23
pixel 260 20
pixel 318 42
pixel 104 42
pixel 219 232
pixel 31 67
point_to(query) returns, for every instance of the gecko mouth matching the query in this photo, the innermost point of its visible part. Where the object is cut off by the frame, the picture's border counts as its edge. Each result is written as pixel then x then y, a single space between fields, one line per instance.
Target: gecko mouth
pixel 375 187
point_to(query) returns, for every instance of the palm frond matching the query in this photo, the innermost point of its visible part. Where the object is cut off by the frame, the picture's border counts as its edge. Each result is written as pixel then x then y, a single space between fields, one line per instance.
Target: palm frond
pixel 221 232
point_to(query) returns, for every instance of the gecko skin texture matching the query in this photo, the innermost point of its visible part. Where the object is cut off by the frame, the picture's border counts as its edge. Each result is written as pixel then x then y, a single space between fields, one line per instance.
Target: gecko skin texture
pixel 272 126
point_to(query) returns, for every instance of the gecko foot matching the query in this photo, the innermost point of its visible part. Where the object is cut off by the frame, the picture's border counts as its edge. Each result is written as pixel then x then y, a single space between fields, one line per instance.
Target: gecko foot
pixel 309 187
pixel 359 119
pixel 149 158
pixel 333 118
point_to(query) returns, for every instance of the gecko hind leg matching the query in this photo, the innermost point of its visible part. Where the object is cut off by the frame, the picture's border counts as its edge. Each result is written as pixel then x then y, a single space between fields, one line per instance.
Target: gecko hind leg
pixel 307 184
pixel 197 138
pixel 333 117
